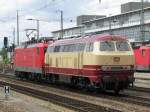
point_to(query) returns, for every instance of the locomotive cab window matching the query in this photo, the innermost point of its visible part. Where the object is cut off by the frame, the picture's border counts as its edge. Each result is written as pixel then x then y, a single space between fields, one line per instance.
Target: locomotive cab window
pixel 122 46
pixel 107 46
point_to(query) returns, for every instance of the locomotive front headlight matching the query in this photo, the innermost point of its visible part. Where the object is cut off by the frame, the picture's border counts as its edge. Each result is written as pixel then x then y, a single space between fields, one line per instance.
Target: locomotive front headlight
pixel 127 67
pixel 104 68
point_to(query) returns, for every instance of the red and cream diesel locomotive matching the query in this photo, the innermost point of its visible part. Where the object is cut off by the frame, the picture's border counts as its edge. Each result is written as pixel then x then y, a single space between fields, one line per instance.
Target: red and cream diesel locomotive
pixel 98 61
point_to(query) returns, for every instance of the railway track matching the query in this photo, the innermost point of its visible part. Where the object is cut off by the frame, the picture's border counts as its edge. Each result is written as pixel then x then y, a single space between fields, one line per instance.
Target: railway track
pixel 59 100
pixel 129 99
pixel 140 89
pixel 135 88
pixel 84 106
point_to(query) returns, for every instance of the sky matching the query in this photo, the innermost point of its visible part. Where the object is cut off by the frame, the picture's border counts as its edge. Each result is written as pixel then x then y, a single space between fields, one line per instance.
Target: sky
pixel 48 11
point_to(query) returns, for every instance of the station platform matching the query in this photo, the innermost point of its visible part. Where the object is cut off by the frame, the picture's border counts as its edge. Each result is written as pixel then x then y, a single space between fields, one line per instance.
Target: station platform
pixel 141 75
pixel 142 79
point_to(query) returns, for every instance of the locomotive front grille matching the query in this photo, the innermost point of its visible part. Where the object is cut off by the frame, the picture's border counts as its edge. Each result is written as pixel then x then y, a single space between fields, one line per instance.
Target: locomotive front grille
pixel 115 68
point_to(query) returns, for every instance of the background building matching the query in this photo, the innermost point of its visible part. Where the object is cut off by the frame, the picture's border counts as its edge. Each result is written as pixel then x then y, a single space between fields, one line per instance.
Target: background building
pixel 127 24
pixel 84 18
pixel 132 6
pixel 69 32
pixel 77 30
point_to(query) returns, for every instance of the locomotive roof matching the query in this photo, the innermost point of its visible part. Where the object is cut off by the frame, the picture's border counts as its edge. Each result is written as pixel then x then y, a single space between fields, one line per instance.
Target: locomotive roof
pixel 88 39
pixel 32 45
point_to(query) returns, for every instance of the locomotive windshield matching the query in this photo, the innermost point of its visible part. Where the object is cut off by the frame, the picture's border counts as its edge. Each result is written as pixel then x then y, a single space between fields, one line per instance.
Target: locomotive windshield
pixel 114 46
pixel 107 46
pixel 122 46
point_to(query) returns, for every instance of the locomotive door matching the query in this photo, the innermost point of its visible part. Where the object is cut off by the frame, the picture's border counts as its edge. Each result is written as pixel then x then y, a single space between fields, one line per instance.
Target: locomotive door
pixel 80 62
pixel 80 58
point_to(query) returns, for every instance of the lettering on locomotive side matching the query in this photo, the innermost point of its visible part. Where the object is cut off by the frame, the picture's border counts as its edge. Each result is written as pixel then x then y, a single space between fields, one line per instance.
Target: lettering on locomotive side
pixel 116 59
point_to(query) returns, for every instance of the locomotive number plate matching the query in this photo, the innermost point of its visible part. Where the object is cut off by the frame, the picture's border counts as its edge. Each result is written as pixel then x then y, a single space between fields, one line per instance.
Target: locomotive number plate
pixel 116 59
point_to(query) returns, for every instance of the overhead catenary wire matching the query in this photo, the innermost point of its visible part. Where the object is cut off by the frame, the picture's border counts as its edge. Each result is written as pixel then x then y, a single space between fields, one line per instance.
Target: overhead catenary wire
pixel 28 12
pixel 42 8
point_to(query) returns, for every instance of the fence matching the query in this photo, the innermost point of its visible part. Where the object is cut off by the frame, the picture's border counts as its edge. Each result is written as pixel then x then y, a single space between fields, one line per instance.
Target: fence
pixel 6 68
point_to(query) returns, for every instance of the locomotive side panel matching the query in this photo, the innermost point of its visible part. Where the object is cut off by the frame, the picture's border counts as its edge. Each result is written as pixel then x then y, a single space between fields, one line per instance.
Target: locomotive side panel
pixel 65 63
pixel 142 56
pixel 29 59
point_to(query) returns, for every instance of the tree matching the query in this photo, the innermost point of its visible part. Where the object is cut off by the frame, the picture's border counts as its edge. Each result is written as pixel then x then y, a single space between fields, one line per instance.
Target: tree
pixel 4 56
pixel 5 59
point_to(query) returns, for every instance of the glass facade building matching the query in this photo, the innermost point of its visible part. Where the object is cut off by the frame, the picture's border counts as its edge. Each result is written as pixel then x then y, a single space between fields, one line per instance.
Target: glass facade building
pixel 125 24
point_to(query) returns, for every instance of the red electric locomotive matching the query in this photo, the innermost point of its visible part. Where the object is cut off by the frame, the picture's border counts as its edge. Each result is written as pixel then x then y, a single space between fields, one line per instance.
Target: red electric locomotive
pixel 29 60
pixel 142 58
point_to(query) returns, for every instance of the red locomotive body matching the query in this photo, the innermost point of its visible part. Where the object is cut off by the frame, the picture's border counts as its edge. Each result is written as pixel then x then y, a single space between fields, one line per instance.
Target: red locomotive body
pixel 29 59
pixel 142 58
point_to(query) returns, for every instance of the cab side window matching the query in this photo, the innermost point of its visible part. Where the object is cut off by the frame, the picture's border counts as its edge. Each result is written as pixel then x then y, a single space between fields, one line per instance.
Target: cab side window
pixel 61 48
pixel 81 47
pixel 57 48
pixel 50 49
pixel 65 48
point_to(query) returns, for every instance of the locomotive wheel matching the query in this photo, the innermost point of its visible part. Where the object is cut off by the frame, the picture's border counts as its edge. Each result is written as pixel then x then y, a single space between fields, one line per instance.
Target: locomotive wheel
pixel 117 88
pixel 38 77
pixel 27 76
pixel 102 87
pixel 53 78
pixel 80 82
pixel 116 91
pixel 73 82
